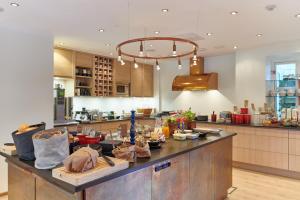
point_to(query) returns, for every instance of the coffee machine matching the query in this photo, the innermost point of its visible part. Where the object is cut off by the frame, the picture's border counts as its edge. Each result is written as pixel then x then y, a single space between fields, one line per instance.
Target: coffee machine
pixel 63 106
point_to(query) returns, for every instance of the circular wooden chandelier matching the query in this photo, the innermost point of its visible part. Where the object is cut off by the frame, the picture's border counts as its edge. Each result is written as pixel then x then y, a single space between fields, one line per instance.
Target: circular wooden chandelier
pixel 141 55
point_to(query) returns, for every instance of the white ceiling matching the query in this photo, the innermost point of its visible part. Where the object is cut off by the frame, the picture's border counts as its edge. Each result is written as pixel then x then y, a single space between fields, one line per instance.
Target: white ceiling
pixel 75 22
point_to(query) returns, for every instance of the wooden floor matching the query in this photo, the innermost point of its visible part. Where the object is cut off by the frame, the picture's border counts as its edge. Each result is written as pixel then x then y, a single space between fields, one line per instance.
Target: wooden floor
pixel 3 198
pixel 257 186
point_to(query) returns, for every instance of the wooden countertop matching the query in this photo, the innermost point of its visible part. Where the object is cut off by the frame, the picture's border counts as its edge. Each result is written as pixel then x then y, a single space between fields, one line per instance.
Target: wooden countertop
pixel 170 149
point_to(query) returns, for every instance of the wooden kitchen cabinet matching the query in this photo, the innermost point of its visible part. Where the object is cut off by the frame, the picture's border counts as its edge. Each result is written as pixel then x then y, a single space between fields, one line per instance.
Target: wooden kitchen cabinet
pixel 148 84
pixel 142 81
pixel 211 171
pixel 136 84
pixel 294 151
pixel 84 59
pixel 47 191
pixel 63 63
pixel 122 72
pixel 201 174
pixel 139 187
pixel 172 182
pixel 17 178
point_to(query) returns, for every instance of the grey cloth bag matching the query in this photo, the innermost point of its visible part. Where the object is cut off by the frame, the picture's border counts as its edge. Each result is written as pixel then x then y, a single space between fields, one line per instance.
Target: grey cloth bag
pixel 51 152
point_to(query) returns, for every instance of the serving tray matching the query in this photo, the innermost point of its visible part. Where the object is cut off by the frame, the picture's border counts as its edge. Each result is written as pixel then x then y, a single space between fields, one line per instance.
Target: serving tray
pixel 102 169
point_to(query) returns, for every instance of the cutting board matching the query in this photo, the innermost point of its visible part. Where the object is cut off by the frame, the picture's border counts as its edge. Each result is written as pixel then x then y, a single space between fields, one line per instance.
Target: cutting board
pixel 9 150
pixel 102 169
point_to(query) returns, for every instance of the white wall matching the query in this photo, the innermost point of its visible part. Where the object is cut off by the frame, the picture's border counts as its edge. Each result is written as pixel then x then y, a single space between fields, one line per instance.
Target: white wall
pixel 26 63
pixel 117 104
pixel 252 66
pixel 202 102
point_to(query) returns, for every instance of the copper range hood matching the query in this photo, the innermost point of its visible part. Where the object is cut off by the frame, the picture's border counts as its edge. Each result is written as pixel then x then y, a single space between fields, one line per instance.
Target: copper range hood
pixel 197 80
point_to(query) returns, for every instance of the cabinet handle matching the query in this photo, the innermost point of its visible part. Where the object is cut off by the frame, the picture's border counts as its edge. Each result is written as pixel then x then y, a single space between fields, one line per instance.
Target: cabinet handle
pixel 162 166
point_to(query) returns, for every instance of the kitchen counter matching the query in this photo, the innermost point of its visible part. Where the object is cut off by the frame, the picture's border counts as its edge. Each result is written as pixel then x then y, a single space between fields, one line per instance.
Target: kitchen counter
pixel 250 125
pixel 100 121
pixel 170 150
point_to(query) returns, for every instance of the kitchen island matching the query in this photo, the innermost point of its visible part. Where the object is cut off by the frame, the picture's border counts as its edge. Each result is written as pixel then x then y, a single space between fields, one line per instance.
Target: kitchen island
pixel 198 169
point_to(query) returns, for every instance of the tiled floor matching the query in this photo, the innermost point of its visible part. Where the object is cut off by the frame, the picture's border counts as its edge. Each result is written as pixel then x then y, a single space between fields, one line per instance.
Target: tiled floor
pixel 257 186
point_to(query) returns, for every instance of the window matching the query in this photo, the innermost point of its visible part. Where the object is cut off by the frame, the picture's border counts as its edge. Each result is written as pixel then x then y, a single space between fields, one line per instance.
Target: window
pixel 283 73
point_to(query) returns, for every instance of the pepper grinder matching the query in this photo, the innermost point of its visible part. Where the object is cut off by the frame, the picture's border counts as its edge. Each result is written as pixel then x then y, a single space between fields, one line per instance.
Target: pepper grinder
pixel 132 128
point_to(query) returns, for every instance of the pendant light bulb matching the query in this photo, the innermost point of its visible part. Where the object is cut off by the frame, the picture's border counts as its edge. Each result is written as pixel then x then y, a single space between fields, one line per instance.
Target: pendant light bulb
pixel 135 64
pixel 157 66
pixel 195 55
pixel 174 49
pixel 195 62
pixel 179 64
pixel 119 55
pixel 141 49
pixel 122 62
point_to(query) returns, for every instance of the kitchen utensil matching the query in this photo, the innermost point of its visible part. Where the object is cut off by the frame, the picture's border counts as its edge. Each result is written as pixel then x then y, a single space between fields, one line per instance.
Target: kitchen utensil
pixel 282 92
pixel 9 149
pixel 244 110
pixel 246 119
pixel 179 136
pixel 290 92
pixel 108 160
pixel 239 119
pixel 24 143
pixel 192 136
pixel 235 109
pixel 272 92
pixel 154 144
pixel 246 102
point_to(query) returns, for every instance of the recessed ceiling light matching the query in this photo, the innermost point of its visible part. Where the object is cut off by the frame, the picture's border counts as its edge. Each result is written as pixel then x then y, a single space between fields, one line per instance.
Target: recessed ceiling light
pixel 107 44
pixel 258 35
pixel 101 30
pixel 14 4
pixel 150 45
pixel 297 15
pixel 234 12
pixel 164 10
pixel 156 32
pixel 235 47
pixel 270 7
pixel 61 43
pixel 111 53
pixel 209 34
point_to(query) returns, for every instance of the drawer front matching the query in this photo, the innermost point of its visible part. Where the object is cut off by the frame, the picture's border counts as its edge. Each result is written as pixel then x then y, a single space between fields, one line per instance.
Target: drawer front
pixel 294 147
pixel 271 144
pixel 243 155
pixel 294 134
pixel 294 163
pixel 271 159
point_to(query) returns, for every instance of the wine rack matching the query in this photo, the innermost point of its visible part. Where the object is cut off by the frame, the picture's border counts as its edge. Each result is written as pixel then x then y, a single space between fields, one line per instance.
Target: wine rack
pixel 103 76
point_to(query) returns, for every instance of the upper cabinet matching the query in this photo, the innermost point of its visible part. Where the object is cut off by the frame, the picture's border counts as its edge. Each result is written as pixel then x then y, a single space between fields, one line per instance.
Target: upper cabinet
pixel 148 81
pixel 84 59
pixel 63 63
pixel 122 72
pixel 142 81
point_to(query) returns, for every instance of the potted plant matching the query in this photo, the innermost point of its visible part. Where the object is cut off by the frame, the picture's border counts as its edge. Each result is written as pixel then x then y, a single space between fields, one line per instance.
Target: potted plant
pixel 190 119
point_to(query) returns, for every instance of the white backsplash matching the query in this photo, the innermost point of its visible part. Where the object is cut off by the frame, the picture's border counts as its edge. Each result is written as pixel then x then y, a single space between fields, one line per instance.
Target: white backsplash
pixel 117 104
